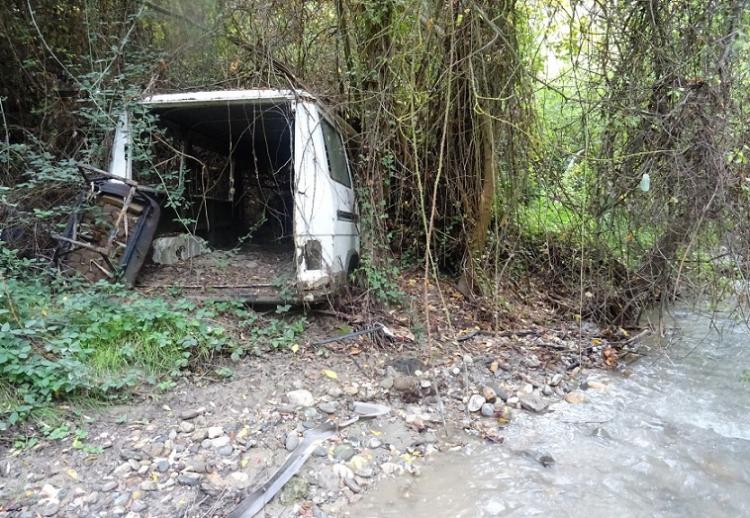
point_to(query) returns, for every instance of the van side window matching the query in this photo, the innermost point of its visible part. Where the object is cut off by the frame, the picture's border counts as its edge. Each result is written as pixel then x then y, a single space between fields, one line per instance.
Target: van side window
pixel 336 155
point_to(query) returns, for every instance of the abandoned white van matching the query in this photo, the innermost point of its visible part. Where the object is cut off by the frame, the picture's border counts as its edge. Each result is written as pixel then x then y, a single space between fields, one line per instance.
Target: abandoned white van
pixel 267 210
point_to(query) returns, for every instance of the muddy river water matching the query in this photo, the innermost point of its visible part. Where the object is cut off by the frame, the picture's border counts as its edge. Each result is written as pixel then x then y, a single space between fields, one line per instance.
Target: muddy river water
pixel 671 439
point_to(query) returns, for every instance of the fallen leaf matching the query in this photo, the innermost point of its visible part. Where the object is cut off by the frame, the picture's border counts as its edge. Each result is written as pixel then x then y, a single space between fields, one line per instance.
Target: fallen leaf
pixel 610 356
pixel 72 474
pixel 295 348
pixel 330 374
pixel 494 366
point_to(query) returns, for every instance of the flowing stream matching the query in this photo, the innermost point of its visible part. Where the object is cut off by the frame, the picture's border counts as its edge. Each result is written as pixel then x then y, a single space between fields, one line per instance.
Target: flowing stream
pixel 672 439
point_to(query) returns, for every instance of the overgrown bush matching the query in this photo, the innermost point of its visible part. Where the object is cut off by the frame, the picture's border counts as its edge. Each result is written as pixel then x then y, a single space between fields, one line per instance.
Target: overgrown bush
pixel 95 342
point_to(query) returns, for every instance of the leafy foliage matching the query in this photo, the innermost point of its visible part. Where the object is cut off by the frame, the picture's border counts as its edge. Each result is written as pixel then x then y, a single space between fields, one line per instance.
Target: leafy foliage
pixel 63 343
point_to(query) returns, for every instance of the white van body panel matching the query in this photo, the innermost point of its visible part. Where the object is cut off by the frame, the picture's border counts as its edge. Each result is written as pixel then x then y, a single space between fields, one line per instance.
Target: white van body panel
pixel 319 203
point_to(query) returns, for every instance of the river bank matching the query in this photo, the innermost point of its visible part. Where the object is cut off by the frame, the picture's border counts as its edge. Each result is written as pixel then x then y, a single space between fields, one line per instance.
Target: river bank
pixel 671 439
pixel 198 449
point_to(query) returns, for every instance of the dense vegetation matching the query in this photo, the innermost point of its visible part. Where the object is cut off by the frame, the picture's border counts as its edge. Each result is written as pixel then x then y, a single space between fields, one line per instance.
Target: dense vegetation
pixel 599 144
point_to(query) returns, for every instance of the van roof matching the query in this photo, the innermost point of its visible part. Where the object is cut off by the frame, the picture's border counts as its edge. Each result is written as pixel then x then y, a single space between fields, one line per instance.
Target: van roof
pixel 225 96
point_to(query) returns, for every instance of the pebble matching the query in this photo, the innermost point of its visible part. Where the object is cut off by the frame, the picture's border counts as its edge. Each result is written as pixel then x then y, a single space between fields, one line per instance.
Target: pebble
pixel 390 468
pixel 148 485
pixel 475 403
pixel 343 452
pixel 386 383
pixel 192 414
pixel 593 384
pixel 198 465
pixel 300 397
pixel 362 468
pixel 532 361
pixel 575 397
pixel 533 402
pixel 220 442
pixel 352 484
pixel 327 479
pixel 122 470
pixel 335 391
pixel 374 443
pixel 406 383
pixel 186 427
pixel 311 413
pixel 130 454
pixel 121 499
pixel 238 480
pixel 215 431
pixel 547 390
pixel 328 407
pixel 488 410
pixel 292 441
pixel 342 471
pixel 138 506
pixel 296 489
pixel 51 509
pixel 320 451
pixel 556 379
pixel 489 394
pixel 501 392
pixel 161 465
pixel 225 451
pixel 108 486
pixel 189 479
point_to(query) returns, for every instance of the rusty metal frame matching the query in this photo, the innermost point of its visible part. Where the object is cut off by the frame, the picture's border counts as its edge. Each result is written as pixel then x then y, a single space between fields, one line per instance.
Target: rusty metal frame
pixel 138 240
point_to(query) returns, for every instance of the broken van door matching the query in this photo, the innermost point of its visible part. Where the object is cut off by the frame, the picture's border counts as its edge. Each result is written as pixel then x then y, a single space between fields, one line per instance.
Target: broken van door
pixel 325 217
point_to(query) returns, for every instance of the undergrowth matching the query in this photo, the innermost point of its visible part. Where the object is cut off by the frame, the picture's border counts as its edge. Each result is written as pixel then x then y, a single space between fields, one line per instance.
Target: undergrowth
pixel 58 344
pixel 63 340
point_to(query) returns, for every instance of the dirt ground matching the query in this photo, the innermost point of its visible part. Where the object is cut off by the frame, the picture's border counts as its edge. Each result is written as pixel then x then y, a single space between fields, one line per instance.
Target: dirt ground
pixel 198 449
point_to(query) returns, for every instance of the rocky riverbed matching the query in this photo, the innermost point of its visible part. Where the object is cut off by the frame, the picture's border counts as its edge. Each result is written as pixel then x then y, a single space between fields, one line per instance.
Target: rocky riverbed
pixel 198 449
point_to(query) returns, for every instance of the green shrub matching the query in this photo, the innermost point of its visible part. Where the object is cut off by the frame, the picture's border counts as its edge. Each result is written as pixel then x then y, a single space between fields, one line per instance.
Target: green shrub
pixel 95 342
